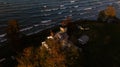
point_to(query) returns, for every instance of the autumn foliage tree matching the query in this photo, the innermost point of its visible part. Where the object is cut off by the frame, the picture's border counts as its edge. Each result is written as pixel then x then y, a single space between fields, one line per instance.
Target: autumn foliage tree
pixel 13 34
pixel 107 15
pixel 66 22
pixel 26 58
pixel 52 54
pixel 110 11
pixel 42 57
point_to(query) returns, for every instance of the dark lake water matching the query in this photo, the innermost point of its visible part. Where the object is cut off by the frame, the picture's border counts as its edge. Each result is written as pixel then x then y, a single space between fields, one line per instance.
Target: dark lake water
pixel 36 15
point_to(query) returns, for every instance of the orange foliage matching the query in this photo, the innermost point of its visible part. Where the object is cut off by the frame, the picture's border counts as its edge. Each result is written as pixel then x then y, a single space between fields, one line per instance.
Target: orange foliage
pixel 66 21
pixel 110 11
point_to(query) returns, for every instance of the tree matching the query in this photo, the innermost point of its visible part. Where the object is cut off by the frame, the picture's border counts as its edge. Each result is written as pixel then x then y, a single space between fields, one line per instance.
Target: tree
pixel 110 11
pixel 57 55
pixel 66 21
pixel 101 16
pixel 108 15
pixel 26 58
pixel 13 35
pixel 52 56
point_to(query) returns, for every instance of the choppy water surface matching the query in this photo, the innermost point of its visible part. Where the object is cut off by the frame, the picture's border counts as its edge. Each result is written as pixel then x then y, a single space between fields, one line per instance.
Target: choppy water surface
pixel 36 15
